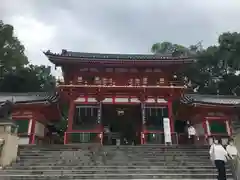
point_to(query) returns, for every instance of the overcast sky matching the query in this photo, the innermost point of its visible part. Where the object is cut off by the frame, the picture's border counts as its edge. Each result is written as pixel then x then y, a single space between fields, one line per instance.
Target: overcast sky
pixel 116 26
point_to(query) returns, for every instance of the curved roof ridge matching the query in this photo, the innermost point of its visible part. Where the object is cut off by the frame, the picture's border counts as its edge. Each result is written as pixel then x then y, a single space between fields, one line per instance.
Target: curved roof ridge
pixel 146 56
pixel 30 97
pixel 212 95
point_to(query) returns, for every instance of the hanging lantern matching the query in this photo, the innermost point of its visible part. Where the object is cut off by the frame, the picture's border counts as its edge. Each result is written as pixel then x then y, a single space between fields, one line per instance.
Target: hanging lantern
pixel 120 112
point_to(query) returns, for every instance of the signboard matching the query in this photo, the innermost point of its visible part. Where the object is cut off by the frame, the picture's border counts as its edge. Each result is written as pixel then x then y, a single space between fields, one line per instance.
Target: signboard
pixel 167 131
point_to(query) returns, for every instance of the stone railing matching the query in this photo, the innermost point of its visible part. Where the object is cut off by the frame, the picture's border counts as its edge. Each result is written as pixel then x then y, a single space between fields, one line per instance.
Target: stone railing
pixel 9 143
pixel 9 149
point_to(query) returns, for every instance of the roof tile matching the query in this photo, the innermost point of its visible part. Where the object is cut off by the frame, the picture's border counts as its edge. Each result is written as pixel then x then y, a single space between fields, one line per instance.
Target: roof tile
pixel 29 97
pixel 92 56
pixel 210 99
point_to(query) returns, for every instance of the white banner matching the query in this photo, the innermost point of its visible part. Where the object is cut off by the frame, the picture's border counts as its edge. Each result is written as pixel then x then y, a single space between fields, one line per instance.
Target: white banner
pixel 167 130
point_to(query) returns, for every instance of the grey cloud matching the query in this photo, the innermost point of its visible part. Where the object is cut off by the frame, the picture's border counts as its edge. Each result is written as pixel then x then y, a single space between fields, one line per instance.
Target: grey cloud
pixel 128 26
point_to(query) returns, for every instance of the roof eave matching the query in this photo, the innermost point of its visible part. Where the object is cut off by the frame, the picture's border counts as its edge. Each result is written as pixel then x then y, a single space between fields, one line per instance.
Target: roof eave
pixel 32 103
pixel 214 104
pixel 60 62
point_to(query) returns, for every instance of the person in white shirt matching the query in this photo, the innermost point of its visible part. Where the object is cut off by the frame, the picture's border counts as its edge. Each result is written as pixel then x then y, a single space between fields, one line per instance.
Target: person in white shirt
pixel 219 155
pixel 231 149
pixel 191 134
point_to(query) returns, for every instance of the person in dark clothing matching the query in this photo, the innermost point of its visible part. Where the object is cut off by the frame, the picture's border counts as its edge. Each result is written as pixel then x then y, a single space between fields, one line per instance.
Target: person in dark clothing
pixel 53 132
pixel 220 165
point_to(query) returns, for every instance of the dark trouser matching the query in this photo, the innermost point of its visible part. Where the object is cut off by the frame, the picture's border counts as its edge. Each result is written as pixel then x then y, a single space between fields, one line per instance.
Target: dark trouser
pixel 191 139
pixel 220 165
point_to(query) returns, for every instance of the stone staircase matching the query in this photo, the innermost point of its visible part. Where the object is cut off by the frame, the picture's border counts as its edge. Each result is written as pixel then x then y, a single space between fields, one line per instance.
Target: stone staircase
pixel 69 162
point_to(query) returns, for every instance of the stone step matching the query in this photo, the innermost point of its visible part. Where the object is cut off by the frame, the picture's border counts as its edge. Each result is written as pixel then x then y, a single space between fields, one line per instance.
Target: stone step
pixel 38 167
pixel 77 146
pixel 114 176
pixel 113 150
pixel 186 157
pixel 159 154
pixel 117 164
pixel 90 161
pixel 119 154
pixel 116 152
pixel 113 162
pixel 42 178
pixel 117 147
pixel 134 161
pixel 110 171
pixel 116 158
pixel 206 156
pixel 97 144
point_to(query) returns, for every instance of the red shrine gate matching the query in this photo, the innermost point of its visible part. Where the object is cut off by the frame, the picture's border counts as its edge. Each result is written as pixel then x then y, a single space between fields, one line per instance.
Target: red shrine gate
pixel 128 91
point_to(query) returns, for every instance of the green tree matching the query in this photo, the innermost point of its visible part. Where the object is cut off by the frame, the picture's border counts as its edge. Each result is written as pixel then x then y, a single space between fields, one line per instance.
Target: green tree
pixel 29 79
pixel 229 47
pixel 215 71
pixel 11 50
pixel 16 74
pixel 170 48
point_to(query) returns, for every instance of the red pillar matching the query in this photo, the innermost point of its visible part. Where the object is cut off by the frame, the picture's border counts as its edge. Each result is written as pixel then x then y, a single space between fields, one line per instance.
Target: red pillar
pixel 204 126
pixel 70 120
pixel 70 115
pixel 32 132
pixel 230 126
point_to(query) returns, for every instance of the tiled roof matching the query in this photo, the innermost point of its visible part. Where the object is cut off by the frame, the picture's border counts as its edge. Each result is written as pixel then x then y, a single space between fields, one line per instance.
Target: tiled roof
pixel 211 99
pixel 103 56
pixel 2 104
pixel 29 97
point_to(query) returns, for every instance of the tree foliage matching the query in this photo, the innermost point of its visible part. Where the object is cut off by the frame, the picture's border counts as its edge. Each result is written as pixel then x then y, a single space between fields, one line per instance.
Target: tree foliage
pixel 28 79
pixel 16 74
pixel 11 50
pixel 217 67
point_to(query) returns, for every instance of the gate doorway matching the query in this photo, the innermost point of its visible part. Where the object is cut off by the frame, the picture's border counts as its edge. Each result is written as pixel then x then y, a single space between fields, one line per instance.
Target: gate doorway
pixel 124 123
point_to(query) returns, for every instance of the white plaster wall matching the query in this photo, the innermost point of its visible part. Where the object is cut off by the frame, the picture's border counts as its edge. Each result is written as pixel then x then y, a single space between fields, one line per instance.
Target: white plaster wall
pixel 39 129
